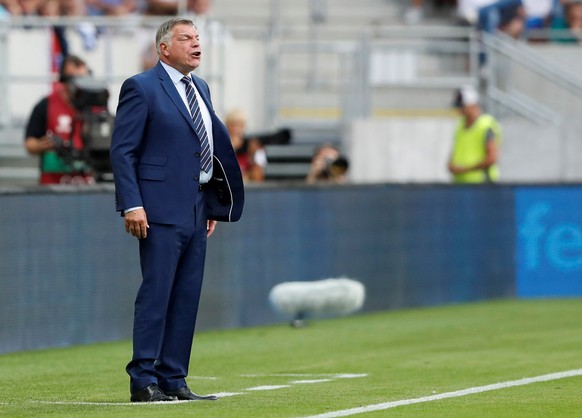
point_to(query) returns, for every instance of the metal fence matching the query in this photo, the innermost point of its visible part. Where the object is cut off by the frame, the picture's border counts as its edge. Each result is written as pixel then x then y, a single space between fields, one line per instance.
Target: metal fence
pixel 526 81
pixel 320 78
pixel 383 71
pixel 114 54
pixel 316 73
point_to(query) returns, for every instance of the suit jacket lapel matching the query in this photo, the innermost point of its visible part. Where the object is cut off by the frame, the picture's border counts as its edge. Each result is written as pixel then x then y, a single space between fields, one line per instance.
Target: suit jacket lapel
pixel 170 89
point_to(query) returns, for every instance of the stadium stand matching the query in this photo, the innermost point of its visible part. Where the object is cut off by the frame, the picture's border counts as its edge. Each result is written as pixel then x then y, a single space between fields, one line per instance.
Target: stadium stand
pixel 314 70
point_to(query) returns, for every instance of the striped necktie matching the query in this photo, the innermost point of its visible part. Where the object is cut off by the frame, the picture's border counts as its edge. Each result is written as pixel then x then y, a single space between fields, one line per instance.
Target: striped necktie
pixel 205 157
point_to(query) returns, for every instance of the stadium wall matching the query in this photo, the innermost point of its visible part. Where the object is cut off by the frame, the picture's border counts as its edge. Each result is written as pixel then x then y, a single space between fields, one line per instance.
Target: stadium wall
pixel 69 272
pixel 396 150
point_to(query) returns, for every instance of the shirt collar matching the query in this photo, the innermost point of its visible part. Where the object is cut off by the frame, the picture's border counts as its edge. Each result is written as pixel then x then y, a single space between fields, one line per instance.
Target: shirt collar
pixel 174 74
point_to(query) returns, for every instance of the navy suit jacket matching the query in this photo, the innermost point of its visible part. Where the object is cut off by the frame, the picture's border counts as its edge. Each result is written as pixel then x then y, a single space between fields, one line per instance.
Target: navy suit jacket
pixel 155 153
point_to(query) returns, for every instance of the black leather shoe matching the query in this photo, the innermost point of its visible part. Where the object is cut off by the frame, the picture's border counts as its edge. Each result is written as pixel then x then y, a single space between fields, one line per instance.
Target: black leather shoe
pixel 151 393
pixel 185 394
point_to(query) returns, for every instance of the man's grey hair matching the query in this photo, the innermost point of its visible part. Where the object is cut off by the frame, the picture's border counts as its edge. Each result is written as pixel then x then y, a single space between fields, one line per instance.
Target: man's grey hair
pixel 164 34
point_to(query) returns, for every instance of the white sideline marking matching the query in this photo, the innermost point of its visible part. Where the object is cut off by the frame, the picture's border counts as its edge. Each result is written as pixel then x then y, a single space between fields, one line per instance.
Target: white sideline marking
pixel 327 378
pixel 273 387
pixel 300 382
pixel 227 394
pixel 455 394
pixel 333 375
pixel 108 403
pixel 220 395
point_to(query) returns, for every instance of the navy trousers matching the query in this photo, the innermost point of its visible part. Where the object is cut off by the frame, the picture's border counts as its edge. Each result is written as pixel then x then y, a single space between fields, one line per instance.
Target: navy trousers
pixel 172 265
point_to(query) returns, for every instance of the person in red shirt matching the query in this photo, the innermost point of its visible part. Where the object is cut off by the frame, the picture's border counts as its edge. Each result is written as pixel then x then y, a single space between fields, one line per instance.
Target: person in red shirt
pixel 250 152
pixel 53 125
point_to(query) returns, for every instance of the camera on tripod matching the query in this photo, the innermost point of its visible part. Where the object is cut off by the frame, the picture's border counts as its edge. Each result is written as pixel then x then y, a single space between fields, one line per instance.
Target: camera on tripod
pixel 89 98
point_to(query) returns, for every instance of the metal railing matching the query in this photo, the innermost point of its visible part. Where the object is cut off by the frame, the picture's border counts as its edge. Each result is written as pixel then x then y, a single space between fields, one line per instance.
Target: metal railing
pixel 348 79
pixel 330 82
pixel 338 82
pixel 521 80
pixel 113 34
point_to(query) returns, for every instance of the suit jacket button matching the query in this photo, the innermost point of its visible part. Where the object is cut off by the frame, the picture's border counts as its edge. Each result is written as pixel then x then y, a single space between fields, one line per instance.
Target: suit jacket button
pixel 196 178
pixel 197 154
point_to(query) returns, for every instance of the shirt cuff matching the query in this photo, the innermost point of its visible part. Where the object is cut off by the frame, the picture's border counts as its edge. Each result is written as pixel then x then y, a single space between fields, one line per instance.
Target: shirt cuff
pixel 132 209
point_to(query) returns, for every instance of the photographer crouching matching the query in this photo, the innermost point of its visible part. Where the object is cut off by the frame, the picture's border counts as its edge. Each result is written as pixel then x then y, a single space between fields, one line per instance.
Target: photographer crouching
pixel 62 128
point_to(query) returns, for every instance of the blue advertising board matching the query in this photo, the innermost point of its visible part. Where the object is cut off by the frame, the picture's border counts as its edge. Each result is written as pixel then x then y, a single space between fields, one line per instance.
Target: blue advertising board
pixel 549 241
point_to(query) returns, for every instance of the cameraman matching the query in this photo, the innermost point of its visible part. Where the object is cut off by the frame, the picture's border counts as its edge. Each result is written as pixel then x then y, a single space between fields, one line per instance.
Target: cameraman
pixel 54 130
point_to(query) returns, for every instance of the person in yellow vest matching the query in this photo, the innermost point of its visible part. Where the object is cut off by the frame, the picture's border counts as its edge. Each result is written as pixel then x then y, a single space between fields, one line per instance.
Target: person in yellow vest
pixel 476 141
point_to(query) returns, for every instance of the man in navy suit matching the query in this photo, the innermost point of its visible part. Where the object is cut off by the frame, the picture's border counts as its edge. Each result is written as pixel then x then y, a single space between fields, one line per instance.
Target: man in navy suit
pixel 176 175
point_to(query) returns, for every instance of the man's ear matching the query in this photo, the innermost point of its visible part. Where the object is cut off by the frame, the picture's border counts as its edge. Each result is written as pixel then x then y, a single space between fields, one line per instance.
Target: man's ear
pixel 164 49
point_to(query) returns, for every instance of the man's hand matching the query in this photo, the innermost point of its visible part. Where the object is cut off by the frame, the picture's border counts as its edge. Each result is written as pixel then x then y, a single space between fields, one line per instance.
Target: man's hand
pixel 136 223
pixel 457 169
pixel 210 227
pixel 37 146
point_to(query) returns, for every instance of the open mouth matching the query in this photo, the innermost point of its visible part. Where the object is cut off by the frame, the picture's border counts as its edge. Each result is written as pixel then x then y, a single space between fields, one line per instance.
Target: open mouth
pixel 197 54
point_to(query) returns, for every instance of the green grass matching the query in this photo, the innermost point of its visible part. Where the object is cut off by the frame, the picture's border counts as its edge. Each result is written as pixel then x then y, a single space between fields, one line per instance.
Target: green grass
pixel 404 354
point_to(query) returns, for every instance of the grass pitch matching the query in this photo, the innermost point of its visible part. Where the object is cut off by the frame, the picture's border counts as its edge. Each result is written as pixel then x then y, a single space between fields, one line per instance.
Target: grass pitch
pixel 332 365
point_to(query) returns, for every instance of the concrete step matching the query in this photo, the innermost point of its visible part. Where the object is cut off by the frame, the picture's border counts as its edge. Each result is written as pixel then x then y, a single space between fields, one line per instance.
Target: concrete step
pixel 288 171
pixel 289 153
pixel 17 167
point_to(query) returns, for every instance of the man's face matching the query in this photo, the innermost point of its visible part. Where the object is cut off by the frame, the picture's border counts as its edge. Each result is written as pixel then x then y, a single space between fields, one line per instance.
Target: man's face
pixel 462 110
pixel 199 7
pixel 183 52
pixel 236 128
pixel 470 111
pixel 575 15
pixel 71 70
